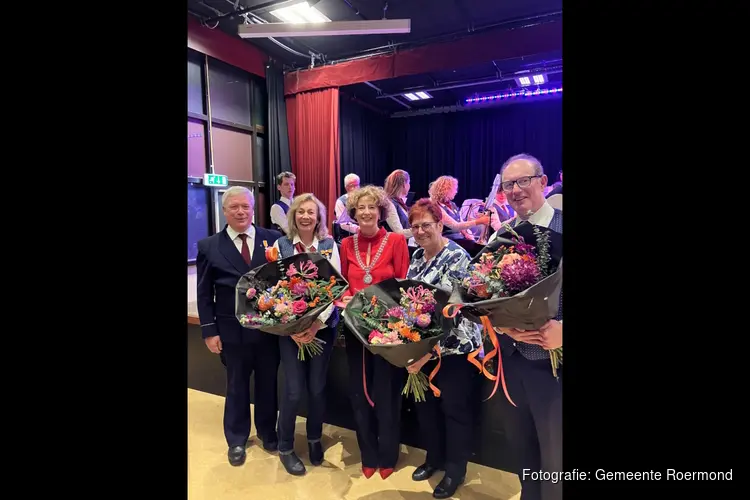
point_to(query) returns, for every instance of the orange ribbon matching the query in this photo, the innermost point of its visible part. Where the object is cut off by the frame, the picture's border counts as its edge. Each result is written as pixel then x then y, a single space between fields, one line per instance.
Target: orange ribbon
pixel 364 379
pixel 472 357
pixel 435 390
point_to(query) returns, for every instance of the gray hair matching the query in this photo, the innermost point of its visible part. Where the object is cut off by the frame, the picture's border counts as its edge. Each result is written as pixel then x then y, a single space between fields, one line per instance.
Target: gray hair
pixel 351 178
pixel 538 169
pixel 235 191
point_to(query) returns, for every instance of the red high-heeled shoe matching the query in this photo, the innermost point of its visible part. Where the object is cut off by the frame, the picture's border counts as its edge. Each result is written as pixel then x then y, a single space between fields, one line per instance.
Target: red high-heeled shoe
pixel 368 471
pixel 384 473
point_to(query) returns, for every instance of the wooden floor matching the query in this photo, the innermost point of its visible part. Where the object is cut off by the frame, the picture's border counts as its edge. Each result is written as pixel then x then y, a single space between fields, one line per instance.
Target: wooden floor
pixel 210 477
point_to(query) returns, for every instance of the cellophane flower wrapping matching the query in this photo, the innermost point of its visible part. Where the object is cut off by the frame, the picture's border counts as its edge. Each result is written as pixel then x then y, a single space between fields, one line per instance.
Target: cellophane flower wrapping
pixel 515 281
pixel 400 320
pixel 285 297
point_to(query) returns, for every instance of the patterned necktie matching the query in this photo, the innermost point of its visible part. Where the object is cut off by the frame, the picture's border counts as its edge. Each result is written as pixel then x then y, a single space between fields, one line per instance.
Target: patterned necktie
pixel 245 249
pixel 301 248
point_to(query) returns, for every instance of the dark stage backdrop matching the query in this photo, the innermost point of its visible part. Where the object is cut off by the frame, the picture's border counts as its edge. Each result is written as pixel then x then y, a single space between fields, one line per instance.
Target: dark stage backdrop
pixel 472 145
pixel 363 139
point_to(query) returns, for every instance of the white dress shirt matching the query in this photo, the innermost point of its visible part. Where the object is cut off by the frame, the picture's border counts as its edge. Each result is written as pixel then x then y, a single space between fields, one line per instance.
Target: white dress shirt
pixel 335 259
pixel 278 216
pixel 235 237
pixel 542 217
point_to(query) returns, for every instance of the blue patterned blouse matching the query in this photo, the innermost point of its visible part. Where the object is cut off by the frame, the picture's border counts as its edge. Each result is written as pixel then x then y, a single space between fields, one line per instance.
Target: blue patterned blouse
pixel 451 263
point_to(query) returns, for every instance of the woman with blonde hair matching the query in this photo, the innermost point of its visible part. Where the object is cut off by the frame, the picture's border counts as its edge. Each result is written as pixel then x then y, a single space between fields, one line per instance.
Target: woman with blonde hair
pixel 369 257
pixel 442 191
pixel 307 233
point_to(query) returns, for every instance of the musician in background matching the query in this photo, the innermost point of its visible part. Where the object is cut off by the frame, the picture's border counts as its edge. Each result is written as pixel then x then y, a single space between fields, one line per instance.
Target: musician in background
pixel 396 188
pixel 351 183
pixel 442 191
pixel 501 211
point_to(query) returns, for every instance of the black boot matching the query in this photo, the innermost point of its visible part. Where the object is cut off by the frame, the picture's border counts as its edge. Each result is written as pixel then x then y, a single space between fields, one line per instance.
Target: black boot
pixel 292 464
pixel 316 453
pixel 447 487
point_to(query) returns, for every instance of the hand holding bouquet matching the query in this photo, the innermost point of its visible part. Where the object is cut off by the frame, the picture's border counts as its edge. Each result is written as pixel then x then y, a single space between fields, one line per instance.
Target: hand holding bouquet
pixel 395 319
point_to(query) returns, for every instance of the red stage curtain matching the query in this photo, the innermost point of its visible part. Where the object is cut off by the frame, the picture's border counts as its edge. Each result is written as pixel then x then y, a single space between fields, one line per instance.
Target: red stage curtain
pixel 313 120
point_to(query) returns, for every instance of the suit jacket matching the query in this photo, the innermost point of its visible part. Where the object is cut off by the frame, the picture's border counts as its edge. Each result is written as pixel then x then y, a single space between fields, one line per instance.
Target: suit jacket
pixel 220 266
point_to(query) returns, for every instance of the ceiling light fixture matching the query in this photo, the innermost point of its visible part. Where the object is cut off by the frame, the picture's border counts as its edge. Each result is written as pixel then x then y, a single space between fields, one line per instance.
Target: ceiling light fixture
pixel 416 96
pixel 299 13
pixel 300 20
pixel 510 95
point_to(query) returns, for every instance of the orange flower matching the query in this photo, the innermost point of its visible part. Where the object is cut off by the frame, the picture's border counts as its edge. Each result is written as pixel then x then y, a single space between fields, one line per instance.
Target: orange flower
pixel 295 280
pixel 409 334
pixel 265 303
pixel 272 254
pixel 374 301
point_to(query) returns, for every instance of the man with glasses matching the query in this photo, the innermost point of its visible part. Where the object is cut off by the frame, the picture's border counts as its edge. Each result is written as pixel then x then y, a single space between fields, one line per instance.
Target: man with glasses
pixel 535 425
pixel 222 260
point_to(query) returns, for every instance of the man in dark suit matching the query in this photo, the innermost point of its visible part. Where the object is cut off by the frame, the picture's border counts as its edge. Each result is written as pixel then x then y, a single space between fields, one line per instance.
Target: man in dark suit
pixel 222 259
pixel 535 425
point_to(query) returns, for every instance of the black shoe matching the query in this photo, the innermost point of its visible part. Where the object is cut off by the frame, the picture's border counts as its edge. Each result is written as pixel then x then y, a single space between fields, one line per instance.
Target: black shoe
pixel 424 472
pixel 293 464
pixel 447 487
pixel 316 453
pixel 236 455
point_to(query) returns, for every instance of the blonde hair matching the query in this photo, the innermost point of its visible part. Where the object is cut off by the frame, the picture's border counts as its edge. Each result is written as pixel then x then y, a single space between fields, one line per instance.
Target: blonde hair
pixel 440 188
pixel 374 192
pixel 321 229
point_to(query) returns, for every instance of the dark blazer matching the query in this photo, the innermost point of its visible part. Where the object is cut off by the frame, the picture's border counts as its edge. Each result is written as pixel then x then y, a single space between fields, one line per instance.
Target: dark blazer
pixel 220 266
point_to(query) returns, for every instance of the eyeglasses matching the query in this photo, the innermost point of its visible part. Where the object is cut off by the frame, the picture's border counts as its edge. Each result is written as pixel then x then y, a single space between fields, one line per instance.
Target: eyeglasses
pixel 523 182
pixel 423 227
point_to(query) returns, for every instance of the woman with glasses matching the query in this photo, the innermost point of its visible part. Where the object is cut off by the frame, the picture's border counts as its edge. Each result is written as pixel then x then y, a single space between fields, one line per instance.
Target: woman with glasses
pixel 445 422
pixel 442 191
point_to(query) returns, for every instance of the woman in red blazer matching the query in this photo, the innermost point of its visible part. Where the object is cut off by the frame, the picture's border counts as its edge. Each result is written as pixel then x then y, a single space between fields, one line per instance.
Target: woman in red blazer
pixel 371 256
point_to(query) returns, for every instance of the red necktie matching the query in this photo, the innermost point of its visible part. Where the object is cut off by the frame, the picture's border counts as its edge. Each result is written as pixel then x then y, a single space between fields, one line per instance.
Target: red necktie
pixel 245 249
pixel 301 248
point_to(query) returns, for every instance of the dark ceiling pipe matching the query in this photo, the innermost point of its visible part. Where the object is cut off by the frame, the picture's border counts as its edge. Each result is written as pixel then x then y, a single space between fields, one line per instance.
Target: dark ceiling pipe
pixel 392 97
pixel 243 10
pixel 356 10
pixel 387 49
pixel 473 83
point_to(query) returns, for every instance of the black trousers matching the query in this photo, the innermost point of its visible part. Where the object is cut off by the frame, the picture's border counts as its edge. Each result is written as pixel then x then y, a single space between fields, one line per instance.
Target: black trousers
pixel 300 378
pixel 242 360
pixel 535 426
pixel 447 423
pixel 378 428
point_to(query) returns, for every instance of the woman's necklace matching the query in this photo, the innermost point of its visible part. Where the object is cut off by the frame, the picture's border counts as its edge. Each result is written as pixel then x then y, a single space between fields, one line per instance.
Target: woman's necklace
pixel 370 264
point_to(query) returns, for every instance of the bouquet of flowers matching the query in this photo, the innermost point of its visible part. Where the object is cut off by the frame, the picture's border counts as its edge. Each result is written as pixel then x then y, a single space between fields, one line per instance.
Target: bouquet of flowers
pixel 396 319
pixel 514 282
pixel 285 297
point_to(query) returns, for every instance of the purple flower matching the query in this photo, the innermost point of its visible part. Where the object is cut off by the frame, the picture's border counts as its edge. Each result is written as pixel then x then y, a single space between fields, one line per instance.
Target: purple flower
pixel 251 293
pixel 520 275
pixel 299 288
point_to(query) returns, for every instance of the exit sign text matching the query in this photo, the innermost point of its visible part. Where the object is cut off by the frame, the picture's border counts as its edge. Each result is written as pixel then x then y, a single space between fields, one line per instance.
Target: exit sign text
pixel 215 180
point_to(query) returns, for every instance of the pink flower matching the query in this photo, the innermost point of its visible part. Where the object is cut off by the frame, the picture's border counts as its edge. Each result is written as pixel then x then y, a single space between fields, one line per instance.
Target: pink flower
pixel 291 271
pixel 374 334
pixel 299 288
pixel 395 312
pixel 423 320
pixel 282 308
pixel 299 306
pixel 251 293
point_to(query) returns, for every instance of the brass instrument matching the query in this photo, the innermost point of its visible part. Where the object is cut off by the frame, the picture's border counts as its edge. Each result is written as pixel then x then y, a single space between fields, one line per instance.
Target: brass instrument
pixel 487 204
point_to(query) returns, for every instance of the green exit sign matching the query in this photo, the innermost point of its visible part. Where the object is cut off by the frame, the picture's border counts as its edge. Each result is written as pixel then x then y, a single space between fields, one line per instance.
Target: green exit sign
pixel 215 180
